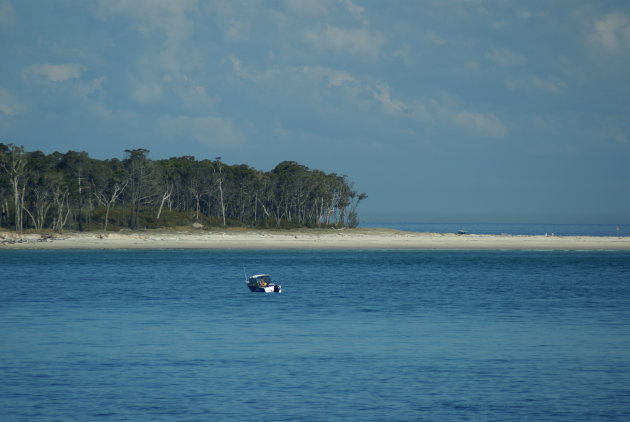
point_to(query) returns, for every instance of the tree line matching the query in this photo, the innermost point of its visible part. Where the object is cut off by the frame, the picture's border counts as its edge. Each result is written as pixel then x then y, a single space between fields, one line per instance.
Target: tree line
pixel 73 191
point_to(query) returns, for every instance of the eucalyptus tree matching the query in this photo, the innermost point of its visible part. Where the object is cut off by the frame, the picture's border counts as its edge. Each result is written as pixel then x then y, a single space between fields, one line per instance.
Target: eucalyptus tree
pixel 5 194
pixel 73 190
pixel 38 197
pixel 243 183
pixel 13 160
pixel 353 216
pixel 175 174
pixel 108 182
pixel 76 167
pixel 140 177
pixel 219 179
pixel 61 202
pixel 168 186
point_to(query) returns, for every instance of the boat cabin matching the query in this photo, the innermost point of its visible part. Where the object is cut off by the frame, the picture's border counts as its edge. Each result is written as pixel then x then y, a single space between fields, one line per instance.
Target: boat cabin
pixel 262 283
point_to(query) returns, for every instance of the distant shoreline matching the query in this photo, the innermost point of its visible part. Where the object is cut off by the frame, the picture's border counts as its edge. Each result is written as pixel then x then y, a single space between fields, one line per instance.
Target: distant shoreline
pixel 359 238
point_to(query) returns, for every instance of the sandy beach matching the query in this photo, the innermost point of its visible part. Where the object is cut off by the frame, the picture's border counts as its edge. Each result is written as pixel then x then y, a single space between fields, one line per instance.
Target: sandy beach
pixel 302 239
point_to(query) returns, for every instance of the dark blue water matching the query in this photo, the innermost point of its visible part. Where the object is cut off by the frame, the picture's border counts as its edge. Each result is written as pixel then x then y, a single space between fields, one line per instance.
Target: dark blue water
pixel 356 335
pixel 512 229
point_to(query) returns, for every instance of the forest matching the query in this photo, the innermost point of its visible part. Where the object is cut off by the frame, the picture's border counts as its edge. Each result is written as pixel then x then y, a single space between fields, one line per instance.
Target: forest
pixel 72 191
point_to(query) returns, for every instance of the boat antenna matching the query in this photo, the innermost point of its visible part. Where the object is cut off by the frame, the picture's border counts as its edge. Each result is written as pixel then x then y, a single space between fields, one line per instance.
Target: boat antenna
pixel 244 272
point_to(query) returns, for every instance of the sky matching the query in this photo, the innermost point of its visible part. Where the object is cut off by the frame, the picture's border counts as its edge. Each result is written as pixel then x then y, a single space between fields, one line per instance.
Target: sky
pixel 440 111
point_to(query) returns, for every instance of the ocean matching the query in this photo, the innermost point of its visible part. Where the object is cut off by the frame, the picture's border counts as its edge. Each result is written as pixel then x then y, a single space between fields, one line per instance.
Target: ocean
pixel 510 229
pixel 376 335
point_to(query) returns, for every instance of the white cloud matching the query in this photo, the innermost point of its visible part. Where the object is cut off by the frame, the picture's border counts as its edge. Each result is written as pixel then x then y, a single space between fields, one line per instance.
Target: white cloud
pixel 6 109
pixel 331 76
pixel 550 85
pixel 309 7
pixel 150 16
pixel 433 38
pixel 358 12
pixel 146 93
pixel 525 14
pixel 249 74
pixel 195 96
pixel 280 130
pixel 236 31
pixel 483 124
pixel 404 52
pixel 169 21
pixel 505 57
pixel 366 94
pixel 322 8
pixel 420 112
pixel 340 41
pixel 621 138
pixel 207 130
pixel 53 72
pixel 9 106
pixel 7 14
pixel 88 88
pixel 612 33
pixel 391 106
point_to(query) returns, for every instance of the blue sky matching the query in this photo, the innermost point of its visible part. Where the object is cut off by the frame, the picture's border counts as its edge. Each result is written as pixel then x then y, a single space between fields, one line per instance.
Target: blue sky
pixel 441 111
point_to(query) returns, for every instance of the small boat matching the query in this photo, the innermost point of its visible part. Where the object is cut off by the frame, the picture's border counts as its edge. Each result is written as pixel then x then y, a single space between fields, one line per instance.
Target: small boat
pixel 262 283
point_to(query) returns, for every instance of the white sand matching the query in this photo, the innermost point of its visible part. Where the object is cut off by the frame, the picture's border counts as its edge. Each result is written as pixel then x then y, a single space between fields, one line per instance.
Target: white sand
pixel 302 239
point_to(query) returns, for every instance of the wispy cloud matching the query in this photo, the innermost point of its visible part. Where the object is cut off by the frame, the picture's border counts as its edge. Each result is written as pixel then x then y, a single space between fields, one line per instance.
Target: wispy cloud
pixel 7 14
pixel 548 85
pixel 332 77
pixel 168 22
pixel 9 105
pixel 146 93
pixel 341 41
pixel 195 96
pixel 366 94
pixel 322 8
pixel 611 33
pixel 205 130
pixel 309 7
pixel 505 57
pixel 248 73
pixel 433 38
pixel 487 124
pixel 236 30
pixel 53 72
pixel 381 93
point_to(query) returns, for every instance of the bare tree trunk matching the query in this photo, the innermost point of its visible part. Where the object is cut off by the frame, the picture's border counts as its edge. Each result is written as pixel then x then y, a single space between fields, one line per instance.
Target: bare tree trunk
pixel 165 197
pixel 14 166
pixel 118 190
pixel 106 216
pixel 32 218
pixel 220 182
pixel 221 198
pixel 60 198
pixel 16 205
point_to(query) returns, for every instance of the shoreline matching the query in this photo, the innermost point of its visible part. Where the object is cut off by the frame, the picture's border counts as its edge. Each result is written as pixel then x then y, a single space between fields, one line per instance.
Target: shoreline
pixel 359 238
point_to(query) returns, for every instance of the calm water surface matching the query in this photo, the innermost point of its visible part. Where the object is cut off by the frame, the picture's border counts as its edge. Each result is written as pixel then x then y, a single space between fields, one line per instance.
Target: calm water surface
pixel 356 335
pixel 622 230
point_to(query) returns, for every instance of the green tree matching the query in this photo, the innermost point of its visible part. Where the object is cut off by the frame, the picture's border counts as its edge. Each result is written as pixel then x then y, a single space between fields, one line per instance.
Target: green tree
pixel 140 177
